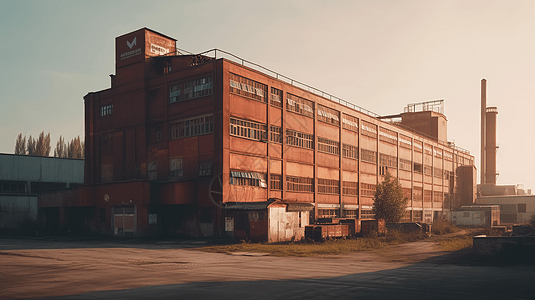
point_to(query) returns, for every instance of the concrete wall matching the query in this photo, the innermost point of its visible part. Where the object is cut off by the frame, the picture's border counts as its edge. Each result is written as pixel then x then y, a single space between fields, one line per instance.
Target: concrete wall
pixel 16 209
pixel 509 207
pixel 42 169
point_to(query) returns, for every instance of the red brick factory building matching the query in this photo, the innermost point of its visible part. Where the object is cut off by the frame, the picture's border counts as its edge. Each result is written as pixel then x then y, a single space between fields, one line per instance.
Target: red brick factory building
pixel 201 145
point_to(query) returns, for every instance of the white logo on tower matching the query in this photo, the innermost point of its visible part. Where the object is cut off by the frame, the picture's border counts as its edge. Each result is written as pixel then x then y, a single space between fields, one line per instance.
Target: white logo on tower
pixel 130 45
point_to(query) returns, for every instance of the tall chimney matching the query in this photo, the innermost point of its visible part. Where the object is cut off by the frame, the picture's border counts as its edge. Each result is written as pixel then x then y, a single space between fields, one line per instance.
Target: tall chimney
pixel 490 154
pixel 482 178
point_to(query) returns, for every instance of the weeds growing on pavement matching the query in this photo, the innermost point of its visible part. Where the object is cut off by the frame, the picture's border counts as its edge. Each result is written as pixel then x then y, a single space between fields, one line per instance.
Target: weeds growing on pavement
pixel 440 227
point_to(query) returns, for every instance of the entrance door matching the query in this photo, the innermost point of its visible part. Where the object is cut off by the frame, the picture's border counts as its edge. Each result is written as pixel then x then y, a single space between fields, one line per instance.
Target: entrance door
pixel 124 221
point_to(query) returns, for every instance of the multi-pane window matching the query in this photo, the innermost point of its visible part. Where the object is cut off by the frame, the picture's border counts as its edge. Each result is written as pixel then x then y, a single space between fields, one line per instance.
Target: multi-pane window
pixel 367 190
pixel 407 193
pixel 275 97
pixel 437 172
pixel 328 186
pixel 350 213
pixel 328 146
pixel 448 155
pixel 205 169
pixel 176 167
pixel 428 170
pixel 328 213
pixel 106 110
pixel 388 136
pixel 299 139
pixel 405 164
pixel 418 146
pixel 367 214
pixel 350 123
pixel 438 152
pixel 388 160
pixel 248 179
pixel 405 141
pixel 328 115
pixel 417 194
pixel 300 105
pixel 350 188
pixel 446 174
pixel 276 134
pixel 428 149
pixel 521 208
pixel 416 215
pixel 299 184
pixel 350 151
pixel 437 196
pixel 248 88
pixel 248 129
pixel 368 156
pixel 275 182
pixel 427 196
pixel 418 168
pixel 368 129
pixel 191 89
pixel 191 127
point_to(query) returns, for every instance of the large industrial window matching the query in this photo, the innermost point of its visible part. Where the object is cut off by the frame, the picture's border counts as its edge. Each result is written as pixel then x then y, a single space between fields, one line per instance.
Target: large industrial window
pixel 176 167
pixel 418 146
pixel 191 127
pixel 448 155
pixel 350 188
pixel 428 149
pixel 367 190
pixel 351 213
pixel 437 172
pixel 106 110
pixel 388 160
pixel 328 186
pixel 205 169
pixel 299 184
pixel 276 182
pixel 328 213
pixel 248 129
pixel 438 196
pixel 350 123
pixel 328 115
pixel 350 151
pixel 367 214
pixel 407 193
pixel 428 170
pixel 368 129
pixel 300 105
pixel 248 88
pixel 521 208
pixel 368 156
pixel 299 139
pixel 405 141
pixel 248 179
pixel 427 196
pixel 418 168
pixel 276 97
pixel 417 194
pixel 276 134
pixel 191 89
pixel 405 164
pixel 328 146
pixel 388 136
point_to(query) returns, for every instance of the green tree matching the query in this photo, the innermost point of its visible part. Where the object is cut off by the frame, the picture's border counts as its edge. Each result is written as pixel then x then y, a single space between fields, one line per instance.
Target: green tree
pixel 389 203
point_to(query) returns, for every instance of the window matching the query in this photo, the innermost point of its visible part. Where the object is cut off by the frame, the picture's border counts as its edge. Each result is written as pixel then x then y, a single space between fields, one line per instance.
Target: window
pixel 328 115
pixel 328 146
pixel 276 97
pixel 248 88
pixel 416 215
pixel 405 164
pixel 350 151
pixel 418 168
pixel 106 110
pixel 176 169
pixel 328 213
pixel 276 134
pixel 191 89
pixel 248 129
pixel 300 105
pixel 248 179
pixel 388 160
pixel 276 182
pixel 350 123
pixel 448 155
pixel 407 193
pixel 438 196
pixel 367 214
pixel 350 213
pixel 446 174
pixel 437 172
pixel 350 188
pixel 191 127
pixel 417 194
pixel 521 208
pixel 427 196
pixel 428 149
pixel 418 146
pixel 405 141
pixel 328 186
pixel 388 136
pixel 368 129
pixel 428 170
pixel 299 139
pixel 368 156
pixel 299 184
pixel 205 169
pixel 438 153
pixel 367 190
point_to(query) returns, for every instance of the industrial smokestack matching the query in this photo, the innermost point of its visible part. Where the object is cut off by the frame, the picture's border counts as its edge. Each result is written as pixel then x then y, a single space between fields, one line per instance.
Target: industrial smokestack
pixel 483 130
pixel 490 155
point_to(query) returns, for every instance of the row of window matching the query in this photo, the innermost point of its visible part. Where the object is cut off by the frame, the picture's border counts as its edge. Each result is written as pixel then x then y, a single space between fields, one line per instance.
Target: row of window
pixel 191 127
pixel 191 89
pixel 328 146
pixel 247 129
pixel 176 168
pixel 248 88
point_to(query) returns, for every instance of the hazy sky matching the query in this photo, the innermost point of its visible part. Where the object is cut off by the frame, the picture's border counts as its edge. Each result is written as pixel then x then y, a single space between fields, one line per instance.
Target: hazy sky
pixel 380 55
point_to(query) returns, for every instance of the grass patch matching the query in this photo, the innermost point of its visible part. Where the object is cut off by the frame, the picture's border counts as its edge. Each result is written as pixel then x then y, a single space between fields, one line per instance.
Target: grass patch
pixel 441 227
pixel 456 243
pixel 329 247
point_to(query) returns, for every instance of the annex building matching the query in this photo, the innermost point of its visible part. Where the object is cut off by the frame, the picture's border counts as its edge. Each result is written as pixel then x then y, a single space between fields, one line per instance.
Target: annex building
pixel 210 146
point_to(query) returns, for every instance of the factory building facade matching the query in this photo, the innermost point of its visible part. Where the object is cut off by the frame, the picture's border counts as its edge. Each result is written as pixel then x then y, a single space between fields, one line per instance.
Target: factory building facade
pixel 190 144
